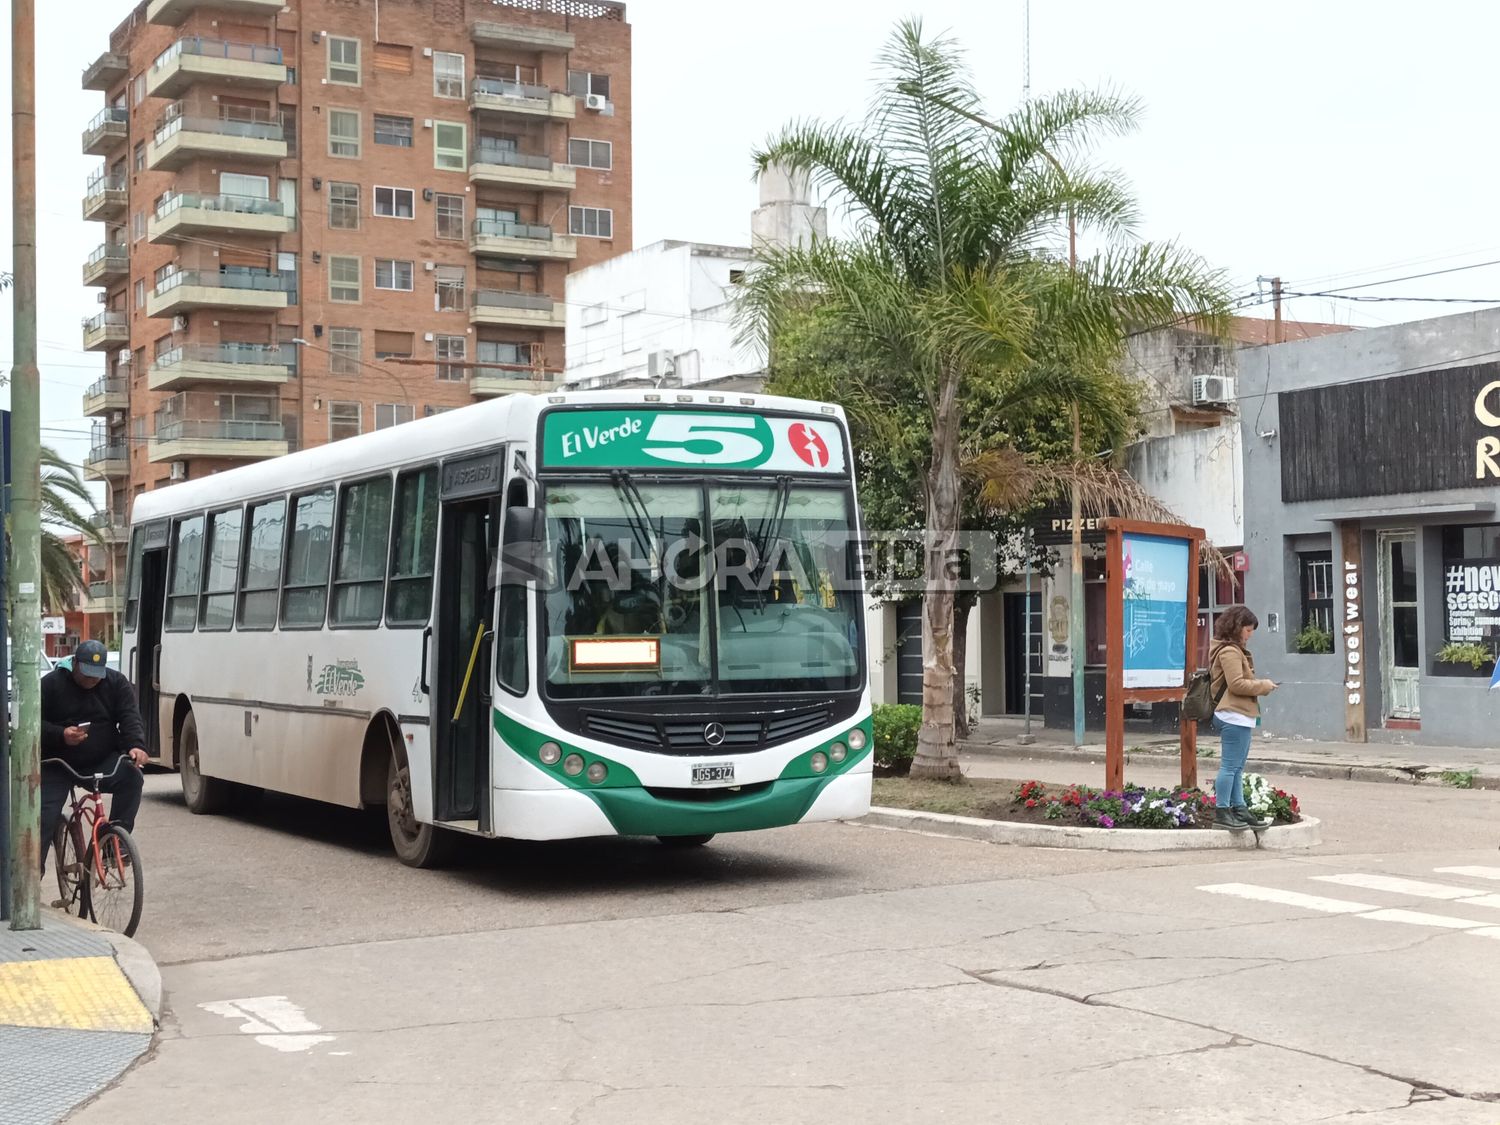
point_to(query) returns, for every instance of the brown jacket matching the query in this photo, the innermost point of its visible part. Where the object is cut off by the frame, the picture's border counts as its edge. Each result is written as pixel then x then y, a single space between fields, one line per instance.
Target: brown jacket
pixel 1234 674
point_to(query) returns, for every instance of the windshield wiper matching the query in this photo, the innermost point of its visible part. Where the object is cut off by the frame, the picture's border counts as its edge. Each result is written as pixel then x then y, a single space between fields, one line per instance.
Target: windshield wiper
pixel 635 509
pixel 769 532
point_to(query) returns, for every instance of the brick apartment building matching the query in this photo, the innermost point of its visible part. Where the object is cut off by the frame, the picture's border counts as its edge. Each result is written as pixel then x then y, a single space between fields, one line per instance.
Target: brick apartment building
pixel 323 217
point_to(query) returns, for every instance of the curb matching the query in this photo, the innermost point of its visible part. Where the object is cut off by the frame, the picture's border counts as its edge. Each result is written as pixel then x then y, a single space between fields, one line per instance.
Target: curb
pixel 131 957
pixel 1306 833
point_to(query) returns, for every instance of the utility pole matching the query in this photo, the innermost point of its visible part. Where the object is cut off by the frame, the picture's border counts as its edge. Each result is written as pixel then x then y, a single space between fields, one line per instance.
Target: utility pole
pixel 1078 623
pixel 26 527
pixel 1276 304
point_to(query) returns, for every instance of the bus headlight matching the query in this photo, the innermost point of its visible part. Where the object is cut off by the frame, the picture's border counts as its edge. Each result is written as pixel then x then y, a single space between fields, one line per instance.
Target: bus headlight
pixel 838 751
pixel 857 739
pixel 550 753
pixel 597 772
pixel 819 762
pixel 573 765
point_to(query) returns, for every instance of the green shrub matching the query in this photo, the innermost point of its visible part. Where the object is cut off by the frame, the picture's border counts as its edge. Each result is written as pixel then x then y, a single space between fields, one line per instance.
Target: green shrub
pixel 1314 640
pixel 895 727
pixel 1475 656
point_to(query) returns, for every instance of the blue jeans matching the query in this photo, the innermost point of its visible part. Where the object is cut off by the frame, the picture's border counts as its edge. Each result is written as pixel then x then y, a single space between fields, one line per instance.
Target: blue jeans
pixel 1229 786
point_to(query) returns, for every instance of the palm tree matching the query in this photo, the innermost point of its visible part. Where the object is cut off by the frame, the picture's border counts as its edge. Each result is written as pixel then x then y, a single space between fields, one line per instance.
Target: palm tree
pixel 67 508
pixel 954 276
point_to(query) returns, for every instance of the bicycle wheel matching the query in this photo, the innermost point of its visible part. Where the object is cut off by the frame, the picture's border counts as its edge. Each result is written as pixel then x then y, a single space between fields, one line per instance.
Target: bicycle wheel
pixel 67 855
pixel 113 891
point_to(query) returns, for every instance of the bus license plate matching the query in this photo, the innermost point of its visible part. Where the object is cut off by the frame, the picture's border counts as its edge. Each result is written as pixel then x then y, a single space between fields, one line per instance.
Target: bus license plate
pixel 714 773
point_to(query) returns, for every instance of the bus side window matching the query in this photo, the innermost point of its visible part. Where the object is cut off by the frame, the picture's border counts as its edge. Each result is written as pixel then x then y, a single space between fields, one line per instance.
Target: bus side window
pixel 413 548
pixel 217 612
pixel 133 579
pixel 304 600
pixel 359 564
pixel 510 651
pixel 262 568
pixel 186 574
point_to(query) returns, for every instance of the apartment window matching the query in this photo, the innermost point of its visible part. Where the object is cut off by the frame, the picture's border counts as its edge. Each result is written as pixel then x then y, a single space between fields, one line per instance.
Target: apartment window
pixel 140 156
pixel 388 414
pixel 1217 591
pixel 343 61
pixel 186 574
pixel 581 84
pixel 343 206
pixel 504 354
pixel 447 75
pixel 138 89
pixel 391 273
pixel 393 58
pixel 262 565
pixel 395 203
pixel 590 154
pixel 344 420
pixel 250 187
pixel 409 596
pixel 140 295
pixel 450 284
pixel 217 611
pixel 346 346
pixel 591 222
pixel 364 539
pixel 434 411
pixel 450 146
pixel 343 133
pixel 304 595
pixel 138 226
pixel 451 352
pixel 1315 569
pixel 343 280
pixel 450 217
pixel 391 130
pixel 393 345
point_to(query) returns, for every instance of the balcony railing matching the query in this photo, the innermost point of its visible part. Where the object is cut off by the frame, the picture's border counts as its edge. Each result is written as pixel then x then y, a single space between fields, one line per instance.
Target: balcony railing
pixel 108 522
pixel 101 590
pixel 254 125
pixel 507 88
pixel 256 282
pixel 107 386
pixel 113 451
pixel 259 355
pixel 100 321
pixel 112 120
pixel 110 250
pixel 101 183
pixel 504 228
pixel 234 204
pixel 501 154
pixel 517 374
pixel 509 299
pixel 217 49
pixel 170 428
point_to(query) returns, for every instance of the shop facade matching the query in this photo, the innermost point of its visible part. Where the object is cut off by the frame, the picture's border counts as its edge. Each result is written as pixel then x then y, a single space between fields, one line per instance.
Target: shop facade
pixel 1372 475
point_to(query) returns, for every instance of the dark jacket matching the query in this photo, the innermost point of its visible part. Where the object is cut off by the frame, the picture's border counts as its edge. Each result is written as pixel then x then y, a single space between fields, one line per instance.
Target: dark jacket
pixel 110 709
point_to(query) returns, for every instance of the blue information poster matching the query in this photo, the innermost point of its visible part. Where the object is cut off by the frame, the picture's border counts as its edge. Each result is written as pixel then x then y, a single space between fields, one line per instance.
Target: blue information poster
pixel 1156 609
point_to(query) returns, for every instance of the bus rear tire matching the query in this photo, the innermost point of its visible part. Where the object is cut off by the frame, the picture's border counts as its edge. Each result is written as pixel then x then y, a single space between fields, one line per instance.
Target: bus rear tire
pixel 416 845
pixel 686 841
pixel 202 794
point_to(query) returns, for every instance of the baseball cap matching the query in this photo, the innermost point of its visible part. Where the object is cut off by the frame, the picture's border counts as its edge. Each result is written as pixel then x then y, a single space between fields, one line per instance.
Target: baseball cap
pixel 89 659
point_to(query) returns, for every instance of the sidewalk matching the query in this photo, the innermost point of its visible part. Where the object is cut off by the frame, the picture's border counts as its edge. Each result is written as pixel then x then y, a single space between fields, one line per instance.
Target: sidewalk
pixel 1341 761
pixel 77 1007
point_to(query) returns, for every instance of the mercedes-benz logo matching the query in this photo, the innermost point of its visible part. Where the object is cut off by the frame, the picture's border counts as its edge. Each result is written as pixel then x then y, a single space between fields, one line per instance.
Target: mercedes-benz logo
pixel 713 734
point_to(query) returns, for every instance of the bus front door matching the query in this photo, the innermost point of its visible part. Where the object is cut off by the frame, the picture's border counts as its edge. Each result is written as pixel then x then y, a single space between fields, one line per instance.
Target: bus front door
pixel 462 645
pixel 147 655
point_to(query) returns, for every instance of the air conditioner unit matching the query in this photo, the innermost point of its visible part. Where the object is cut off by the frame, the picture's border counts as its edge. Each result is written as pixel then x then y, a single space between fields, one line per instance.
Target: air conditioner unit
pixel 596 102
pixel 427 123
pixel 122 356
pixel 1213 390
pixel 427 52
pixel 117 417
pixel 660 365
pixel 427 336
pixel 429 266
pixel 179 324
pixel 178 471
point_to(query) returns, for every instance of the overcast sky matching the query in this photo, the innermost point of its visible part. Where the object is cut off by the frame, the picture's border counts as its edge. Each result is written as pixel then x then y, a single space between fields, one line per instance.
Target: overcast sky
pixel 1333 143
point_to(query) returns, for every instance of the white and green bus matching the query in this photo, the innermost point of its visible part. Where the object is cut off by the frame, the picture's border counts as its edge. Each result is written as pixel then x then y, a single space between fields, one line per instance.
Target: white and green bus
pixel 540 617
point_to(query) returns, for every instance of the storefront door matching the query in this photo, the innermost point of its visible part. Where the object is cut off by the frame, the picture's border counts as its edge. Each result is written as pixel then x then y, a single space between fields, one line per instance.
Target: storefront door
pixel 1400 656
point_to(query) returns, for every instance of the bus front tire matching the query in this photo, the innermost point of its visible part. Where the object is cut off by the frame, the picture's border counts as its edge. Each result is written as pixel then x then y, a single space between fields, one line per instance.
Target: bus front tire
pixel 685 841
pixel 203 794
pixel 417 845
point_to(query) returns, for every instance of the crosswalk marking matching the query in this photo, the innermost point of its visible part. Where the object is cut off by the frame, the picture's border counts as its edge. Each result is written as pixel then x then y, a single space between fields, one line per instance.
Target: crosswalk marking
pixel 1472 872
pixel 1422 918
pixel 1289 898
pixel 1413 887
pixel 1488 931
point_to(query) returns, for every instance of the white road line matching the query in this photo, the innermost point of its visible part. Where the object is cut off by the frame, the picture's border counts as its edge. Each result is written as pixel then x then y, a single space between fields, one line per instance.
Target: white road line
pixel 272 1020
pixel 1290 898
pixel 1492 873
pixel 1419 918
pixel 1415 888
pixel 1487 931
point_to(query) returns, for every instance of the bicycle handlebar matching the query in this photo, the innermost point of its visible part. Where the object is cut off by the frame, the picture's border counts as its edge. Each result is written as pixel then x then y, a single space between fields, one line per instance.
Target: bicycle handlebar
pixel 87 779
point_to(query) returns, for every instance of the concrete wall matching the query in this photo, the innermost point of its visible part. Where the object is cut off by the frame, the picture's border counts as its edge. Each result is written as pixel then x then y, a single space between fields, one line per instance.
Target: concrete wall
pixel 1311 703
pixel 1197 474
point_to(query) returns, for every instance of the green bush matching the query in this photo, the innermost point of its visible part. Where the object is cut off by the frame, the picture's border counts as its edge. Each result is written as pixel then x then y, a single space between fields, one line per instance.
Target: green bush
pixel 895 726
pixel 1314 640
pixel 1475 656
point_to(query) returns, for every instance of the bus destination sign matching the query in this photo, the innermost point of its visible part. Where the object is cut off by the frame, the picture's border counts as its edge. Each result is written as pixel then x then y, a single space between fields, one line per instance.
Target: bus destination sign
pixel 684 439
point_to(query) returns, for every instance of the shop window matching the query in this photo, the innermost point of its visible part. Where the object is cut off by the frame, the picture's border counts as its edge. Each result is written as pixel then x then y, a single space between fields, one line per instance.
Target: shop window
pixel 1471 586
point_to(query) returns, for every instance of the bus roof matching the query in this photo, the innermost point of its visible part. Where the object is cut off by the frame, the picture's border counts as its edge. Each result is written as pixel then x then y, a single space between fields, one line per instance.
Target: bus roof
pixel 420 442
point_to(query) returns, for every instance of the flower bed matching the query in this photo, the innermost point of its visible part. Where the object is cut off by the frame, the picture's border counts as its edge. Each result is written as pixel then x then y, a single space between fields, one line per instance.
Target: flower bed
pixel 1137 807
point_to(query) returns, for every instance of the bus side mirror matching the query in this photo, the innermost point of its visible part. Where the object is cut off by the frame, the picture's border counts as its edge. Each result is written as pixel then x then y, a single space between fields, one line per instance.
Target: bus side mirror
pixel 522 525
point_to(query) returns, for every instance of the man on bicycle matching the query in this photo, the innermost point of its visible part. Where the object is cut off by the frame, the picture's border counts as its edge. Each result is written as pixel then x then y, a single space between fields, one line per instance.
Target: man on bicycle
pixel 90 720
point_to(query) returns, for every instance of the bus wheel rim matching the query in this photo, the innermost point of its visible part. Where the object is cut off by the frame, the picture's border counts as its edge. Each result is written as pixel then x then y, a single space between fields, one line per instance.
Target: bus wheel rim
pixel 400 797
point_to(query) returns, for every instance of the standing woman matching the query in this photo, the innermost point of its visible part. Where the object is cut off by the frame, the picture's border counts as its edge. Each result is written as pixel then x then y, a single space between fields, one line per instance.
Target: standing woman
pixel 1236 714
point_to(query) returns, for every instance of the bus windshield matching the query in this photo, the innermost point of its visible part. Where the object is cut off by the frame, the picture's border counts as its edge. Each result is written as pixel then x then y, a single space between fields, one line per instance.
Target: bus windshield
pixel 723 588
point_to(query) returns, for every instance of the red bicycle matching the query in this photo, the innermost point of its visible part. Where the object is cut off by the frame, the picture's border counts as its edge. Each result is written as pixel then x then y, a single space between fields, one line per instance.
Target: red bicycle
pixel 98 864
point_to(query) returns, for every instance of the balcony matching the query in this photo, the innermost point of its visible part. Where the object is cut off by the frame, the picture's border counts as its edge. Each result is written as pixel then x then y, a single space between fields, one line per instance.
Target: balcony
pixel 111 528
pixel 253 290
pixel 107 462
pixel 108 131
pixel 505 239
pixel 498 164
pixel 105 598
pixel 489 382
pixel 174 12
pixel 108 69
pixel 187 214
pixel 519 310
pixel 499 95
pixel 250 135
pixel 191 60
pixel 520 38
pixel 104 331
pixel 107 264
pixel 105 199
pixel 106 395
pixel 202 424
pixel 192 364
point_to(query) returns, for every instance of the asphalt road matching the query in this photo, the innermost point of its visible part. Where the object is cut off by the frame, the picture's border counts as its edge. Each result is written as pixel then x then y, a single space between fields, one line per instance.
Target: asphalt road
pixel 823 973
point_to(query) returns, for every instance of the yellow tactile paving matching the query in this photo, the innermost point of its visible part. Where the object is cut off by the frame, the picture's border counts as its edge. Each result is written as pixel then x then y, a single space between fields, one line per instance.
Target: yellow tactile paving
pixel 79 993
